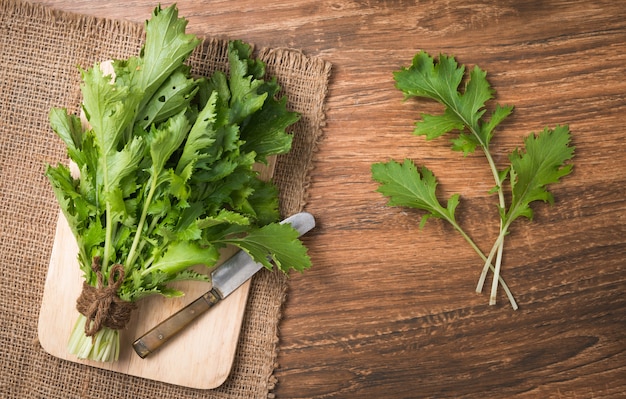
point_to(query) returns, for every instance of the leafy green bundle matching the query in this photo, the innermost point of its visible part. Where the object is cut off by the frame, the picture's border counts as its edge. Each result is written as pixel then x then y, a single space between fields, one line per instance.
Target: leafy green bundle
pixel 543 160
pixel 167 176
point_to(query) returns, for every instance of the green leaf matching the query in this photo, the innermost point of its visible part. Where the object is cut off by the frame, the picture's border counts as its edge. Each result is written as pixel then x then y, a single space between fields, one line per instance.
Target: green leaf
pixel 246 96
pixel 498 115
pixel 68 128
pixel 472 101
pixel 265 131
pixel 107 107
pixel 440 81
pixel 166 139
pixel 121 164
pixel 172 97
pixel 224 216
pixel 65 190
pixel 424 78
pixel 276 244
pixel 542 162
pixel 405 186
pixel 181 255
pixel 166 48
pixel 465 143
pixel 201 136
pixel 178 187
pixel 434 126
pixel 190 275
pixel 117 207
pixel 264 202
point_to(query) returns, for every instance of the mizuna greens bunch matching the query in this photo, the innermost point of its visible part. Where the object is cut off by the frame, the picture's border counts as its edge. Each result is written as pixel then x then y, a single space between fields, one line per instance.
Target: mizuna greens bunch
pixel 542 161
pixel 167 176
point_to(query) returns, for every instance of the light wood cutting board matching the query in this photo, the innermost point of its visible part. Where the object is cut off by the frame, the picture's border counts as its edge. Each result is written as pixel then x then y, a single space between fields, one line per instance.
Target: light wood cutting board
pixel 201 356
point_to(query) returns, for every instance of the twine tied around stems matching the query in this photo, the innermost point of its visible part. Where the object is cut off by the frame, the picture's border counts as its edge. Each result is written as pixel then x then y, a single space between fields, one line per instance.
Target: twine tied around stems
pixel 101 305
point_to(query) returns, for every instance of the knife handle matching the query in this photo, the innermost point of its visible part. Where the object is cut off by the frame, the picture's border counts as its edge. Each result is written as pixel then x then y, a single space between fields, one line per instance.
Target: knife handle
pixel 159 335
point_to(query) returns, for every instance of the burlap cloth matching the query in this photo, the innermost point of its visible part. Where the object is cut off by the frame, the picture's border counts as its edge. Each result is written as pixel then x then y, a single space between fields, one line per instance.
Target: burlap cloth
pixel 39 52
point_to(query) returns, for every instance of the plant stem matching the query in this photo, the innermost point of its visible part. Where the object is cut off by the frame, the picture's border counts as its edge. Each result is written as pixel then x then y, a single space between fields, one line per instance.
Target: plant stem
pixel 500 241
pixel 130 260
pixel 103 347
pixel 488 264
pixel 497 247
pixel 147 262
pixel 474 129
pixel 501 234
pixel 108 237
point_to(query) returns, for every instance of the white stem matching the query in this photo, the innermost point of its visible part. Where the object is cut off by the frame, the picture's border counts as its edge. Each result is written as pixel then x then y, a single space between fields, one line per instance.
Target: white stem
pixel 487 262
pixel 496 273
pixel 495 248
pixel 103 347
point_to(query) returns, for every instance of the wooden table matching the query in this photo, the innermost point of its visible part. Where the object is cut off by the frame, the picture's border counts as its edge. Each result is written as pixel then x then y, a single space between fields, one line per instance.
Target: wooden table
pixel 389 311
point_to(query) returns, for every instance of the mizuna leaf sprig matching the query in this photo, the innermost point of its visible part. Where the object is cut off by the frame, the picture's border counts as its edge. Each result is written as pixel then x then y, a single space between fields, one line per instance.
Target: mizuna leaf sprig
pixel 543 160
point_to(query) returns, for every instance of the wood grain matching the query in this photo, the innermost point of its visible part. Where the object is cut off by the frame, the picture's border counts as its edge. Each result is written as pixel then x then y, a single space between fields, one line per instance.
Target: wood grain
pixel 389 310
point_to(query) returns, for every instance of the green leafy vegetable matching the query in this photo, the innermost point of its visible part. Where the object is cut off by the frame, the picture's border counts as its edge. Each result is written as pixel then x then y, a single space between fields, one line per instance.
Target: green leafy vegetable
pixel 541 162
pixel 418 191
pixel 167 174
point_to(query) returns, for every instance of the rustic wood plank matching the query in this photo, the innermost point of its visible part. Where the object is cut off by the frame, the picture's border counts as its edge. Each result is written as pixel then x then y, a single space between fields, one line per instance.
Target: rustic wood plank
pixel 388 310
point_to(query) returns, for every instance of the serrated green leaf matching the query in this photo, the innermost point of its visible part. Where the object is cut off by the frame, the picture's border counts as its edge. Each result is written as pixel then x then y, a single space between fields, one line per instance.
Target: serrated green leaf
pixel 246 96
pixel 173 97
pixel 472 101
pixel 68 128
pixel 264 202
pixel 274 244
pixel 543 161
pixel 407 186
pixel 190 275
pixel 167 46
pixel 123 163
pixel 499 114
pixel 201 135
pixel 166 139
pixel 64 191
pixel 224 216
pixel 425 78
pixel 181 255
pixel 109 109
pixel 117 208
pixel 190 233
pixel 178 188
pixel 440 80
pixel 465 143
pixel 265 131
pixel 433 126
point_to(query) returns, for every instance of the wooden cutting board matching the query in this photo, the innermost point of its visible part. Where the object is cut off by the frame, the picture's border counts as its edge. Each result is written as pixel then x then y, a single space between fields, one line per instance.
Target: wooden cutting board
pixel 201 356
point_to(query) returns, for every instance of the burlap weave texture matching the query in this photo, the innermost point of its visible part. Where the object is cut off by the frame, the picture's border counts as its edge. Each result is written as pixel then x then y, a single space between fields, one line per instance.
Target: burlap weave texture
pixel 39 52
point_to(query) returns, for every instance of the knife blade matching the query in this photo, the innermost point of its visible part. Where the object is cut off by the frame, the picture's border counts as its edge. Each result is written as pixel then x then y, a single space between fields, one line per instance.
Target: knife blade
pixel 225 279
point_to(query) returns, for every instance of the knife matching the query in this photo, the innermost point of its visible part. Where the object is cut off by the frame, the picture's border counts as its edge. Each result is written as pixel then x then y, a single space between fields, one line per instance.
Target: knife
pixel 225 279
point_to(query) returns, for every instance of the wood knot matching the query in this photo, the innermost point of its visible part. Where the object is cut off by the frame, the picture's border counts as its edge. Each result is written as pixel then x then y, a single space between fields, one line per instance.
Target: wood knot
pixel 101 305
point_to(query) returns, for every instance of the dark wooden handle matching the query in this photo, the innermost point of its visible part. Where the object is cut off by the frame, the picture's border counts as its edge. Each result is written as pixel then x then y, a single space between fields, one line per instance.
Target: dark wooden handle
pixel 163 332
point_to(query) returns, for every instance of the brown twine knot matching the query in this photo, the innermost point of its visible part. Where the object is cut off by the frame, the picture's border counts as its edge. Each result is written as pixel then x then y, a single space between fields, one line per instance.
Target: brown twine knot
pixel 101 305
